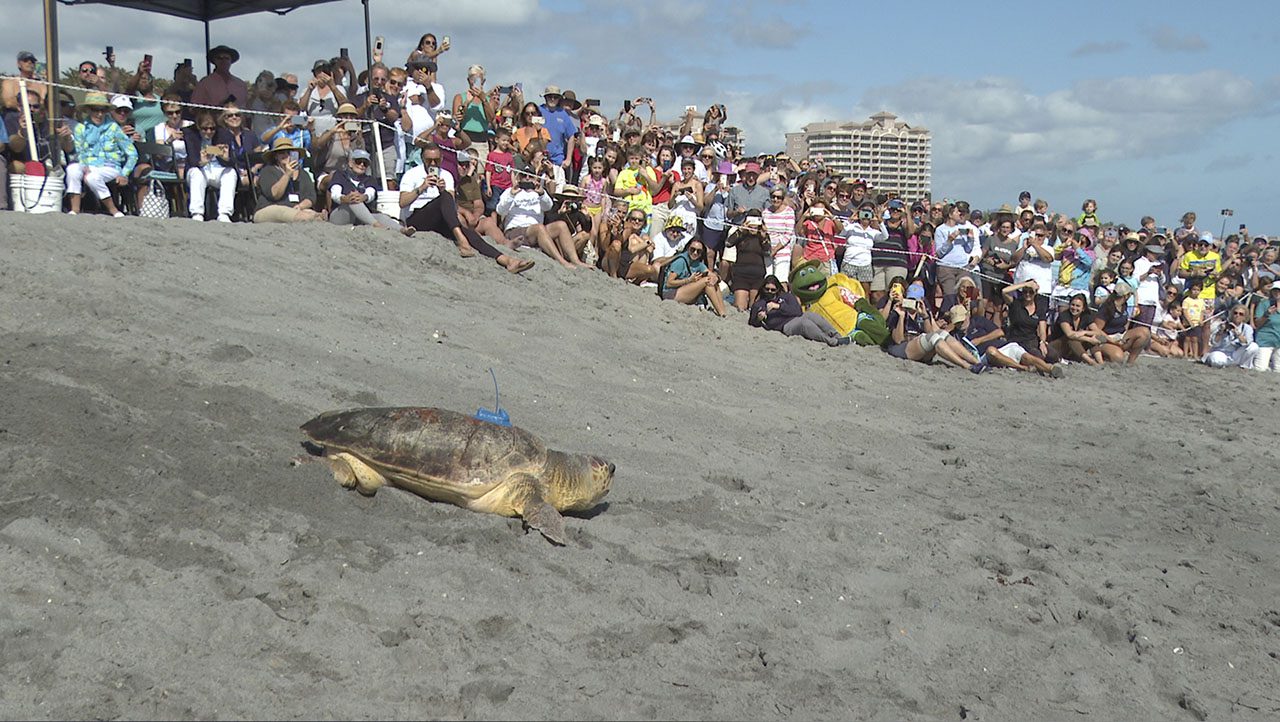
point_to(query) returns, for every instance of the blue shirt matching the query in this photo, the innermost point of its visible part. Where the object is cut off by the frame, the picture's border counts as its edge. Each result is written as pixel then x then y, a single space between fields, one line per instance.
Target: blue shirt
pixel 562 127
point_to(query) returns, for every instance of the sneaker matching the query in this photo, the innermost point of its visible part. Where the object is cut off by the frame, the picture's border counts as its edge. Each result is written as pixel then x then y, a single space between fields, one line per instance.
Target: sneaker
pixel 843 341
pixel 224 218
pixel 72 213
pixel 979 367
pixel 198 218
pixel 118 214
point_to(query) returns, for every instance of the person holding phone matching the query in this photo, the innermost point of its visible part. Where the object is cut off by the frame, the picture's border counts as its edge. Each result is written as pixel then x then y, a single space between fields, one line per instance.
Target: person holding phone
pixel 285 192
pixel 322 96
pixel 687 279
pixel 560 124
pixel 474 111
pixel 294 126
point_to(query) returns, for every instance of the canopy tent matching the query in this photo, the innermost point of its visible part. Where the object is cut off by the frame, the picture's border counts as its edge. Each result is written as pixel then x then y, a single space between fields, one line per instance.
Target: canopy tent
pixel 202 10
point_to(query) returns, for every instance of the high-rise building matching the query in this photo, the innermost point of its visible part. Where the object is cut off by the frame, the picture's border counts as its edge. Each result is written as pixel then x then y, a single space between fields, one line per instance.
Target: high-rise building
pixel 882 150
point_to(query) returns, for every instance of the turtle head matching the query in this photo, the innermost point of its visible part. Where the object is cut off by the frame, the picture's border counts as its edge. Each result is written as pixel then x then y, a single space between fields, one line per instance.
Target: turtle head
pixel 576 482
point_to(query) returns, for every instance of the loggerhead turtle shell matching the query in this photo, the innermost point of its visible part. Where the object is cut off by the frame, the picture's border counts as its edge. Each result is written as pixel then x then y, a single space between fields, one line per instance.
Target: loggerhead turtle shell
pixel 462 455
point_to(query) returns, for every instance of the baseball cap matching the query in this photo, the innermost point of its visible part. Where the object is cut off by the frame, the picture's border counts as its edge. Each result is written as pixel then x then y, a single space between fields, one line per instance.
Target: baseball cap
pixel 916 292
pixel 120 101
pixel 25 55
pixel 897 204
pixel 958 313
pixel 463 156
pixel 1275 286
pixel 360 154
pixel 751 167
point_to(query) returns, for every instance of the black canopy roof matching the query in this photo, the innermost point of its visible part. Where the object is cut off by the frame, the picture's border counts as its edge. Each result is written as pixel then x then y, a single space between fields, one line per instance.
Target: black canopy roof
pixel 205 10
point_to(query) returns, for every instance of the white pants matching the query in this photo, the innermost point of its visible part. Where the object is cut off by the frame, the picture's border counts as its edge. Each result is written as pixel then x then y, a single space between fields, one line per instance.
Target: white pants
pixel 96 176
pixel 1242 357
pixel 224 179
pixel 1267 359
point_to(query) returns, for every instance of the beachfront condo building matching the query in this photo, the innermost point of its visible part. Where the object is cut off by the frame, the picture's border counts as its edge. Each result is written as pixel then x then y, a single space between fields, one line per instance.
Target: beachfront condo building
pixel 882 150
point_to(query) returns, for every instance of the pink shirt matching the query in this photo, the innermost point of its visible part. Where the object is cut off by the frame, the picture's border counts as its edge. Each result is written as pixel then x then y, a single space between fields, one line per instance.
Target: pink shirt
pixel 214 89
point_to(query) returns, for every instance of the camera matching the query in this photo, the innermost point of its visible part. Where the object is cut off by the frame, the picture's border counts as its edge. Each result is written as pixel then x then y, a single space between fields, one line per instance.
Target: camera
pixel 525 185
pixel 298 121
pixel 910 304
pixel 572 206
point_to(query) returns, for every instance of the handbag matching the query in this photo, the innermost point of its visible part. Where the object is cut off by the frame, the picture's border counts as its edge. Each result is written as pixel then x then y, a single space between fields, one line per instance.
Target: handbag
pixel 156 203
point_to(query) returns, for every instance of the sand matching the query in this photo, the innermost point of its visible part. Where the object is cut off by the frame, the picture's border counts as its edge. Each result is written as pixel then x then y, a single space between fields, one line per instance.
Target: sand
pixel 794 531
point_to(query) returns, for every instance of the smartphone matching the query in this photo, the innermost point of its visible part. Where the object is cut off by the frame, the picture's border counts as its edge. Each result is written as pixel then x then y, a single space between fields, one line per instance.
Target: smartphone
pixel 626 106
pixel 378 43
pixel 146 60
pixel 690 108
pixel 1242 226
pixel 592 102
pixel 505 89
pixel 434 171
pixel 444 41
pixel 186 62
pixel 112 51
pixel 343 53
pixel 909 304
pixel 539 120
pixel 298 121
pixel 474 81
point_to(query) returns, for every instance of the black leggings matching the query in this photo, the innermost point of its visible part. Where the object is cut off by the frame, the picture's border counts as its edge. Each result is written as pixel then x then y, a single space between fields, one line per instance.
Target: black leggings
pixel 441 216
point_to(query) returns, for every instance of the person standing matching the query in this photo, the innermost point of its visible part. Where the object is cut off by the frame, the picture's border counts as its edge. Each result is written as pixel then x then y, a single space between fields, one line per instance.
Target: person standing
pixel 220 86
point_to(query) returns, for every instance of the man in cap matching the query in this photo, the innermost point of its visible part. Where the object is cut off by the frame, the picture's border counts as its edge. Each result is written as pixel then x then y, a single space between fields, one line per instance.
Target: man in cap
pixel 746 195
pixel 354 194
pixel 1204 263
pixel 10 100
pixel 220 86
pixel 559 123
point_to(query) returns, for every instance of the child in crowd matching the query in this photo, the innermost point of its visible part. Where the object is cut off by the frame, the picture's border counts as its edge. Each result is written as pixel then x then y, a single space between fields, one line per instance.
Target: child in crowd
pixel 1193 315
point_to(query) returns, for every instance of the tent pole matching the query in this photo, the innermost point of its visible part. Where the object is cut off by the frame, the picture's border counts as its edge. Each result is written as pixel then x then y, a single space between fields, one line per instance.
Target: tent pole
pixel 208 68
pixel 368 41
pixel 53 75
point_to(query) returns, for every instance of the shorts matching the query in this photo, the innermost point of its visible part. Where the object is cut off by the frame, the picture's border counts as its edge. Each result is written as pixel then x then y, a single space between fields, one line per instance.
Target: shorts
pixel 862 274
pixel 1014 351
pixel 518 236
pixel 713 239
pixel 668 294
pixel 882 276
pixel 899 350
pixel 929 341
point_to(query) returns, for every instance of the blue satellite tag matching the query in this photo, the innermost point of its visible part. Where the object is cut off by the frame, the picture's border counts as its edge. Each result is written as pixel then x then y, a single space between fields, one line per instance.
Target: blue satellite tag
pixel 498 416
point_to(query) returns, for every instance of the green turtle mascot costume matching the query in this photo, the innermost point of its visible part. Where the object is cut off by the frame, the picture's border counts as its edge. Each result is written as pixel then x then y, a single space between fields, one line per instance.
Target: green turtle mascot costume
pixel 842 301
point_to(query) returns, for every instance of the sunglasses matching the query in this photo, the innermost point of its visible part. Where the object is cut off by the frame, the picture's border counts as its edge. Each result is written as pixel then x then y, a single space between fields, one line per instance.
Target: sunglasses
pixel 88 70
pixel 778 198
pixel 229 116
pixel 696 250
pixel 360 161
pixel 633 219
pixel 173 112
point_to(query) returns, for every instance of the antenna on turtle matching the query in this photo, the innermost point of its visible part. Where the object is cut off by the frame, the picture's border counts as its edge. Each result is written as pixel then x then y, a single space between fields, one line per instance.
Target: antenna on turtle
pixel 499 415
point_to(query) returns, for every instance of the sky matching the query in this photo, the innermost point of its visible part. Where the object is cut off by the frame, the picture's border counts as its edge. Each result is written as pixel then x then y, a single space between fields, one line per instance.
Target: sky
pixel 1149 107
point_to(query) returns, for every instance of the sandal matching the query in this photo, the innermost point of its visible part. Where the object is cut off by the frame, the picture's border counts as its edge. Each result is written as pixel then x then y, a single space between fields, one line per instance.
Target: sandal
pixel 521 266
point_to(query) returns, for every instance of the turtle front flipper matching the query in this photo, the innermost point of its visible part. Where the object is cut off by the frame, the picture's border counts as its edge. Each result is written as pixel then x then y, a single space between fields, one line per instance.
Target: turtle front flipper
pixel 521 495
pixel 353 473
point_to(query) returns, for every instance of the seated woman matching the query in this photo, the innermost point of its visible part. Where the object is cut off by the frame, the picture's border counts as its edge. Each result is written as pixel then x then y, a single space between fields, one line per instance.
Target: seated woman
pixel 636 262
pixel 209 165
pixel 752 243
pixel 427 204
pixel 1073 336
pixel 779 310
pixel 105 153
pixel 566 219
pixel 1113 321
pixel 285 192
pixel 523 210
pixel 915 336
pixel 1028 329
pixel 1231 343
pixel 352 191
pixel 687 279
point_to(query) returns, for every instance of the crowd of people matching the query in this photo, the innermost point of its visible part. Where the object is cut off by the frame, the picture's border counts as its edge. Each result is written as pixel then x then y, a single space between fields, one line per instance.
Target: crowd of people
pixel 674 207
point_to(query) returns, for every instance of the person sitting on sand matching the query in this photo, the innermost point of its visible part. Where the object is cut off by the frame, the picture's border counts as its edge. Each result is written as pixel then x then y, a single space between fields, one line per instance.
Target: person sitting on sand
pixel 914 335
pixel 779 310
pixel 1113 320
pixel 688 280
pixel 352 191
pixel 427 204
pixel 1166 328
pixel 1027 324
pixel 285 191
pixel 1231 343
pixel 1074 336
pixel 522 209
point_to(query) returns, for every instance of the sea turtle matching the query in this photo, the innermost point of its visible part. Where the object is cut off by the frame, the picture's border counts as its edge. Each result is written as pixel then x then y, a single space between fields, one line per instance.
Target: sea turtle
pixel 446 456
